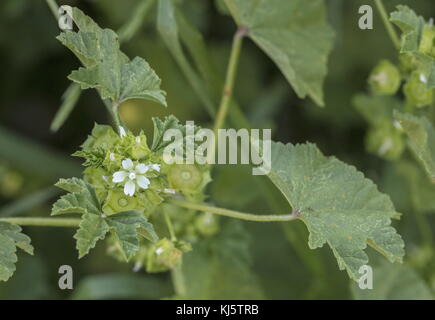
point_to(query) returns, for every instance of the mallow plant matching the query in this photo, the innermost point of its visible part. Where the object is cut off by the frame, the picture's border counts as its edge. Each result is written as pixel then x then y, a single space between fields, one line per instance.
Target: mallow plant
pixel 151 213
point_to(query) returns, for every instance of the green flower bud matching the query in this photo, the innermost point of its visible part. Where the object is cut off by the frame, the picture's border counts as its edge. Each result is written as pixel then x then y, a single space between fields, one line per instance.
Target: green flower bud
pixel 187 178
pixel 135 147
pixel 416 91
pixel 385 78
pixel 102 137
pixel 163 256
pixel 117 201
pixel 386 142
pixel 207 224
pixel 112 160
pixel 427 43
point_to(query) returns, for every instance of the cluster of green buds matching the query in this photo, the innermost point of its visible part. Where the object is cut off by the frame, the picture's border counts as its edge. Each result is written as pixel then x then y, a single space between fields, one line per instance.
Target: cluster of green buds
pixel 125 173
pixel 410 76
pixel 386 78
pixel 128 175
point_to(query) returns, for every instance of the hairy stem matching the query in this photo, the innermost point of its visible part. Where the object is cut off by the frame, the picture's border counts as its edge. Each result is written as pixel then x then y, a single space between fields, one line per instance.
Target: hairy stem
pixel 232 213
pixel 113 109
pixel 43 222
pixel 230 78
pixel 387 23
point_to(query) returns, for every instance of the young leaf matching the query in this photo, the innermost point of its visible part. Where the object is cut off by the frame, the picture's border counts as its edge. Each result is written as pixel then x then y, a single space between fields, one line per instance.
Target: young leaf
pixel 394 282
pixel 11 238
pixel 95 224
pixel 412 27
pixel 91 229
pixel 127 226
pixel 421 139
pixel 294 34
pixel 106 67
pixel 161 126
pixel 338 205
pixel 80 199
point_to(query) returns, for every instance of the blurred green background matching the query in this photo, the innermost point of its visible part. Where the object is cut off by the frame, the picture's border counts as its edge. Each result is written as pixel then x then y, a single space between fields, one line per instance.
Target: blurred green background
pixel 34 68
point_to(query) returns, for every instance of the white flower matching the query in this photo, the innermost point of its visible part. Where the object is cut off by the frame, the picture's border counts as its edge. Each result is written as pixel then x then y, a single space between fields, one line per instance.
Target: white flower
pixel 134 176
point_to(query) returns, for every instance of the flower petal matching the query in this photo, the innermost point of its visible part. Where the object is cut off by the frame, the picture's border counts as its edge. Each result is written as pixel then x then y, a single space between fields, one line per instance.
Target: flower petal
pixel 119 176
pixel 141 168
pixel 129 188
pixel 127 164
pixel 155 167
pixel 143 182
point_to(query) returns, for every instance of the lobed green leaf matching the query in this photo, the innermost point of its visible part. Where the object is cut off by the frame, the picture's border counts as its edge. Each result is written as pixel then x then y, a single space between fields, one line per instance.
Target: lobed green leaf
pixel 294 34
pixel 11 238
pixel 338 205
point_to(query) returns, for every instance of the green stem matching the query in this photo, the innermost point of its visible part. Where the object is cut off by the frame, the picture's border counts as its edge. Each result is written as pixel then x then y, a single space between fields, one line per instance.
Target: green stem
pixel 388 25
pixel 176 272
pixel 113 108
pixel 232 213
pixel 178 281
pixel 170 226
pixel 54 8
pixel 230 78
pixel 43 222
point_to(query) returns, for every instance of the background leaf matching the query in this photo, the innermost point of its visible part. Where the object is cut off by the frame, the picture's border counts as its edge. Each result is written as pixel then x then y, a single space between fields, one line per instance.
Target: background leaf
pixel 338 205
pixel 221 268
pixel 294 34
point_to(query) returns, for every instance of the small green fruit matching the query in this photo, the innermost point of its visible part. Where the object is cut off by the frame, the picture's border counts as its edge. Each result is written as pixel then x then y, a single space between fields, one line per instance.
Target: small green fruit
pixel 386 142
pixel 385 78
pixel 416 91
pixel 117 201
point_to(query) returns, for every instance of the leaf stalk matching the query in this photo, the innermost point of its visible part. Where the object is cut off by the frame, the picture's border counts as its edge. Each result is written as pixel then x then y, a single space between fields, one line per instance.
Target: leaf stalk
pixel 234 214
